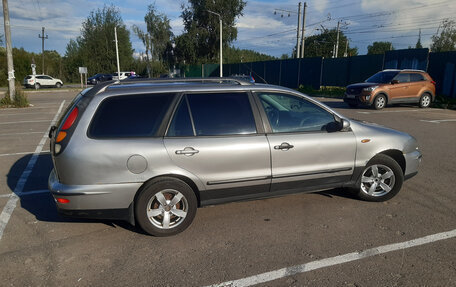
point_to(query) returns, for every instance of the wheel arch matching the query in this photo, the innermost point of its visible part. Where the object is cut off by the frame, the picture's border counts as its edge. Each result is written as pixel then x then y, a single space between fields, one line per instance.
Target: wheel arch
pixel 430 93
pixel 397 156
pixel 175 176
pixel 383 93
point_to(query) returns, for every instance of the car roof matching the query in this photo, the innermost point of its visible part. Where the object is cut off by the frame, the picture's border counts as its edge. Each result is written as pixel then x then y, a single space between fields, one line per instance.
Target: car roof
pixel 403 70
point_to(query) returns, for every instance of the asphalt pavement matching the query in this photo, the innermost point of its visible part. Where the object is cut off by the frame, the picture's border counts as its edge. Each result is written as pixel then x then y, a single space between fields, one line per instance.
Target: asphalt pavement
pixel 327 238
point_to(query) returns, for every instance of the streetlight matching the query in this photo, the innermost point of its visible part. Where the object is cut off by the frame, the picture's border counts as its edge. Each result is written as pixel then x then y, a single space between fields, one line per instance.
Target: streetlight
pixel 221 63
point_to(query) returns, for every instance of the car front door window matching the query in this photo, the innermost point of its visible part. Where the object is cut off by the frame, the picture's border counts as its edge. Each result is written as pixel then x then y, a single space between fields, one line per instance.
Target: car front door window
pixel 288 113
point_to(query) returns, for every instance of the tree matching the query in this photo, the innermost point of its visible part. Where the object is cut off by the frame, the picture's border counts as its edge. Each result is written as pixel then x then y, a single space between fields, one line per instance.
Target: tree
pixel 446 41
pixel 379 48
pixel 157 39
pixel 95 47
pixel 236 55
pixel 418 44
pixel 199 42
pixel 322 45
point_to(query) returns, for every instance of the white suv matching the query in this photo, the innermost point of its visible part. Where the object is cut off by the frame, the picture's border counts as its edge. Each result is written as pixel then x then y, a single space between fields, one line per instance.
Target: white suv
pixel 39 81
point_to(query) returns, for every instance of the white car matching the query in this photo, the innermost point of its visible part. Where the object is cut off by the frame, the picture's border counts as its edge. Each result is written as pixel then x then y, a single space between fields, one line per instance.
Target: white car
pixel 39 81
pixel 123 75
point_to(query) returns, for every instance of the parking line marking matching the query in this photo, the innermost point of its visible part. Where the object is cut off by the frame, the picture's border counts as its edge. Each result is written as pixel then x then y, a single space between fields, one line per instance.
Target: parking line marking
pixel 24 122
pixel 381 112
pixel 438 121
pixel 25 193
pixel 297 269
pixel 17 134
pixel 26 152
pixel 12 202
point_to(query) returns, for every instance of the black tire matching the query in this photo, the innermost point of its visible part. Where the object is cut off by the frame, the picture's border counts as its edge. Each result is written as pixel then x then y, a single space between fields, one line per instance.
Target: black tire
pixel 352 105
pixel 37 86
pixel 379 102
pixel 58 85
pixel 425 100
pixel 383 185
pixel 178 216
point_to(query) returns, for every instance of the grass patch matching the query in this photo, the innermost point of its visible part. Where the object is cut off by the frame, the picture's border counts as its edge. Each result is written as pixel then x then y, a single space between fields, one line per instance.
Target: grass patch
pixel 20 99
pixel 327 92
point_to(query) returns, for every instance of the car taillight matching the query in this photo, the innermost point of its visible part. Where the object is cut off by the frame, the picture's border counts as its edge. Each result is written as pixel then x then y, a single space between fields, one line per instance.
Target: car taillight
pixel 433 82
pixel 67 124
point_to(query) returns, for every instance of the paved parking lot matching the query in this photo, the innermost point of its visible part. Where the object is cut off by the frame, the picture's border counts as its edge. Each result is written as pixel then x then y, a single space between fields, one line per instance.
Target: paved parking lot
pixel 320 239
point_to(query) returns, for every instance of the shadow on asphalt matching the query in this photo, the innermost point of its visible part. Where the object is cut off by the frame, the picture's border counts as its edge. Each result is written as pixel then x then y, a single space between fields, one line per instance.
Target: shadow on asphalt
pixel 338 192
pixel 42 204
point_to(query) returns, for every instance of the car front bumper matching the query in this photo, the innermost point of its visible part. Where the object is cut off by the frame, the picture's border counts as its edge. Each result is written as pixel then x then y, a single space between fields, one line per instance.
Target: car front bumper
pixel 412 162
pixel 101 201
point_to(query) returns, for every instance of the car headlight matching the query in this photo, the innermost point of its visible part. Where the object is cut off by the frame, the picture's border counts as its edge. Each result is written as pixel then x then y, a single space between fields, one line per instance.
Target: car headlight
pixel 370 89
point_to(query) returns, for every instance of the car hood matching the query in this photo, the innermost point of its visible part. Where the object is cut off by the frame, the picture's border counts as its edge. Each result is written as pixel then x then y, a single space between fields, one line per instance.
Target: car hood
pixel 361 85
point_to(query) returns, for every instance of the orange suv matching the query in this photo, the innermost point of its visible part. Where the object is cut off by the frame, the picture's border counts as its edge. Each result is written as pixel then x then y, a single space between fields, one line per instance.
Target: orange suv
pixel 392 87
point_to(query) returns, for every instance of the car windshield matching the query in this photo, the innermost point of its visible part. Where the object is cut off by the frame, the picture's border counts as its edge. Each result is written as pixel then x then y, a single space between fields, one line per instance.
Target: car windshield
pixel 382 77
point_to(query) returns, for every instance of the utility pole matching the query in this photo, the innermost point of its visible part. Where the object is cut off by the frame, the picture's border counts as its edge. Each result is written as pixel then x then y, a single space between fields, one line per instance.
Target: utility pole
pixel 42 47
pixel 117 54
pixel 303 29
pixel 9 51
pixel 298 49
pixel 337 39
pixel 346 49
pixel 220 36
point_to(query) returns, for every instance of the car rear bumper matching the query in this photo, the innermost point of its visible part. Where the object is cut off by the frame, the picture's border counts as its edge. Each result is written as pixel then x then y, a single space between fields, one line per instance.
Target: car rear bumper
pixel 412 162
pixel 103 201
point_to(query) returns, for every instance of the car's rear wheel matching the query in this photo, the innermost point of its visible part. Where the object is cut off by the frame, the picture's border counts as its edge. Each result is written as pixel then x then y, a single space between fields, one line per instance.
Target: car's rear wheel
pixel 379 102
pixel 425 100
pixel 58 85
pixel 37 86
pixel 381 179
pixel 165 207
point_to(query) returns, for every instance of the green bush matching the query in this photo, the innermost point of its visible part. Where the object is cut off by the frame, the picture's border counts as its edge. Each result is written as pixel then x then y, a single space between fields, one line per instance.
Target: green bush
pixel 20 99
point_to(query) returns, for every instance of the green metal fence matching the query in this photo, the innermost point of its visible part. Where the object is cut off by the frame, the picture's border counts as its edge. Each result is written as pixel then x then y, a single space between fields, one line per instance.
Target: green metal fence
pixel 317 72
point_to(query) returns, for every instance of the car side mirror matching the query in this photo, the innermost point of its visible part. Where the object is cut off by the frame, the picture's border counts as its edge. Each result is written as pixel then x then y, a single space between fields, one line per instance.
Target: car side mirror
pixel 394 82
pixel 345 125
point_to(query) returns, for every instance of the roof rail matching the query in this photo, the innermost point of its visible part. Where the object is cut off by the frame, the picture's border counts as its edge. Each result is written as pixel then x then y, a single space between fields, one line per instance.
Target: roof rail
pixel 214 80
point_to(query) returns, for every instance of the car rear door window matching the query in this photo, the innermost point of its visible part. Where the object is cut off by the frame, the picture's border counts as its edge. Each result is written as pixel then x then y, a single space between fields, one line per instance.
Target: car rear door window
pixel 216 114
pixel 181 124
pixel 130 116
pixel 289 113
pixel 403 77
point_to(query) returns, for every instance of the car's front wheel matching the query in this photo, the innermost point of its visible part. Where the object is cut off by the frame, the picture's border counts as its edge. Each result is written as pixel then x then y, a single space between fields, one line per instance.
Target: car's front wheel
pixel 58 85
pixel 379 102
pixel 165 206
pixel 381 179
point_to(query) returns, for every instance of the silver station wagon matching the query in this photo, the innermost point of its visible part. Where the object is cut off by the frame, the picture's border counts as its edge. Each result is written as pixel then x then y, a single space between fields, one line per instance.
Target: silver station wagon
pixel 151 152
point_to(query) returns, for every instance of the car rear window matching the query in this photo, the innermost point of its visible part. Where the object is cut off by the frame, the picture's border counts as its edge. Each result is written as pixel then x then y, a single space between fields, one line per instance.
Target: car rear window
pixel 130 116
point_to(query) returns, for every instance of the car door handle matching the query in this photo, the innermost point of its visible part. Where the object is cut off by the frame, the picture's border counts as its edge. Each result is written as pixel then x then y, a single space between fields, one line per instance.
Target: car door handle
pixel 284 146
pixel 187 151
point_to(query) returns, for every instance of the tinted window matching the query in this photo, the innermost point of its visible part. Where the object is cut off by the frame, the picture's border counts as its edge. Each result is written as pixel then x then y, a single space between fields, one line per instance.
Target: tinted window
pixel 382 77
pixel 181 125
pixel 403 78
pixel 129 116
pixel 415 77
pixel 287 113
pixel 221 114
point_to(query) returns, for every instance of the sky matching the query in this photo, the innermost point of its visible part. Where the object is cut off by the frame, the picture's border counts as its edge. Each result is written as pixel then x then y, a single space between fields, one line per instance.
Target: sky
pixel 259 29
